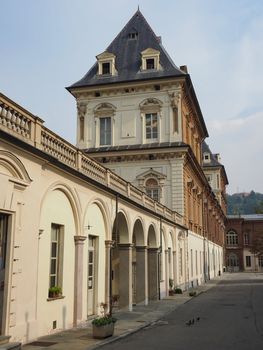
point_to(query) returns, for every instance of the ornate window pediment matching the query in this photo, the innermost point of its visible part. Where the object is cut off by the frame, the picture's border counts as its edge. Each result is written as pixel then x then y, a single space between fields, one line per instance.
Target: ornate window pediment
pixel 152 182
pixel 106 64
pixel 152 105
pixel 104 110
pixel 150 60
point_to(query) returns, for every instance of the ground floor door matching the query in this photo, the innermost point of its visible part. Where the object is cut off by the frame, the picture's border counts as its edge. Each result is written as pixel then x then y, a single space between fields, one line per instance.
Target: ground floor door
pixel 91 275
pixel 3 247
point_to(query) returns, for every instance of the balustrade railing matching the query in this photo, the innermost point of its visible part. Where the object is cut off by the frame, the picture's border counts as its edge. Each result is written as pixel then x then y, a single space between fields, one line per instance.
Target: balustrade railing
pixel 18 122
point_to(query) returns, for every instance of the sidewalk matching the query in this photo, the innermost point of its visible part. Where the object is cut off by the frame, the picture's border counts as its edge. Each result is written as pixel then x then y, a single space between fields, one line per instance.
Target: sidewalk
pixel 80 338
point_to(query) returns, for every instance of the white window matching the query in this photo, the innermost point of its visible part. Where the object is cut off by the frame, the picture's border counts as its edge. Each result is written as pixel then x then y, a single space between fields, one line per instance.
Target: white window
pixel 248 261
pixel 56 255
pixel 150 60
pixel 152 189
pixel 260 261
pixel 106 68
pixel 151 126
pixel 105 131
pixel 150 64
pixel 231 238
pixel 181 262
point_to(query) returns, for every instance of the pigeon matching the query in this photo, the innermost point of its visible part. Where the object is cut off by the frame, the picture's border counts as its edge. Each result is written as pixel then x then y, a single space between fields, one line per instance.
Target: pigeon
pixel 193 321
pixel 198 319
pixel 188 323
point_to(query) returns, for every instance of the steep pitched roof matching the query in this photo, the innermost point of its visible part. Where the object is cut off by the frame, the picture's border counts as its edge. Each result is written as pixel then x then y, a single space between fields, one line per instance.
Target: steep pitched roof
pixel 128 56
pixel 213 160
pixel 213 163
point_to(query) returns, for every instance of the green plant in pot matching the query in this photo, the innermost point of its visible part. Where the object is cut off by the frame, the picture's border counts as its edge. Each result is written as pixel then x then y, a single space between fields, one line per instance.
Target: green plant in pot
pixel 103 326
pixel 55 292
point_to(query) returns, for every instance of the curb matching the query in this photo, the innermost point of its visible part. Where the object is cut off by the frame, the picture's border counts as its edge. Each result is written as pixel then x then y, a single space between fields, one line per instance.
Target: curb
pixel 135 330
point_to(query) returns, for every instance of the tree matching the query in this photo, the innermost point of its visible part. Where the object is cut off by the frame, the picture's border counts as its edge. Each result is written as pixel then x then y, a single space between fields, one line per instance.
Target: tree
pixel 257 245
pixel 259 208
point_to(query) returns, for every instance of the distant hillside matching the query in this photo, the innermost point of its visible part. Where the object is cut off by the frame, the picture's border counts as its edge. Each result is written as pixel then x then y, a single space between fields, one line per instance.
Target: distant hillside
pixel 244 203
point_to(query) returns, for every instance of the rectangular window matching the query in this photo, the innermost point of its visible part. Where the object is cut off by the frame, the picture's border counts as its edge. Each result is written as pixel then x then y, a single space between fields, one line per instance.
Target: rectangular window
pixel 105 131
pixel 196 263
pixel 248 261
pixel 246 239
pixel 106 68
pixel 151 126
pixel 260 261
pixel 181 262
pixel 175 119
pixel 150 63
pixel 191 257
pixel 56 255
pixel 3 239
pixel 161 266
pixel 153 193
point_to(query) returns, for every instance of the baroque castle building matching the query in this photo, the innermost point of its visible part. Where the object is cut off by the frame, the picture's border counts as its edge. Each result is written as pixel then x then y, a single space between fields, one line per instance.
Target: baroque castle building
pixel 137 208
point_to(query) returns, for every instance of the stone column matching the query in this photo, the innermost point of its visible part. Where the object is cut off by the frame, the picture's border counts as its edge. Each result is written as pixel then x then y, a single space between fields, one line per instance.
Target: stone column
pixel 153 282
pixel 167 274
pixel 125 276
pixel 108 257
pixel 175 269
pixel 78 278
pixel 141 275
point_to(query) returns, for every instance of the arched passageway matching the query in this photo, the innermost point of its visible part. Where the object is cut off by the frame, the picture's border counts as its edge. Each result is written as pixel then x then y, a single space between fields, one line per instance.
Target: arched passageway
pixel 121 257
pixel 139 265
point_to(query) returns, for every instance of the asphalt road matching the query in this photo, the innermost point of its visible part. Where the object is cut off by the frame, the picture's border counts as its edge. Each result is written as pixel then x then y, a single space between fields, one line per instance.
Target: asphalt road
pixel 231 317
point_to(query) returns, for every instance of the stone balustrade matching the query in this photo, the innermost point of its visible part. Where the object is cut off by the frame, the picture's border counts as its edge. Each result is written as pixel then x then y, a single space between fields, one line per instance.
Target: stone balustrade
pixel 20 123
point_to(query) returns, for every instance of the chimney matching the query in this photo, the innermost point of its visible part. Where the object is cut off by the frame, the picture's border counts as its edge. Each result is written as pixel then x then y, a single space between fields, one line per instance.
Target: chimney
pixel 218 158
pixel 184 69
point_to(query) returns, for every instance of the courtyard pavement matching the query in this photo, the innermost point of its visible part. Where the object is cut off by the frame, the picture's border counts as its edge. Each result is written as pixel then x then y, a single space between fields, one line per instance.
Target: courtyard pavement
pixel 80 338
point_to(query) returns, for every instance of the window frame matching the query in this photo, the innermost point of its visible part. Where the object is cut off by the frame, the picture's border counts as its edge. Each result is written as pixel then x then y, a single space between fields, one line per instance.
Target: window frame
pixel 153 191
pixel 59 241
pixel 232 238
pixel 107 133
pixel 154 130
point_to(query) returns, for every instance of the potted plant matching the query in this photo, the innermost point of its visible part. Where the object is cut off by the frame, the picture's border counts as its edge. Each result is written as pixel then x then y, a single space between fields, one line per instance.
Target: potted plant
pixel 103 326
pixel 178 290
pixel 55 292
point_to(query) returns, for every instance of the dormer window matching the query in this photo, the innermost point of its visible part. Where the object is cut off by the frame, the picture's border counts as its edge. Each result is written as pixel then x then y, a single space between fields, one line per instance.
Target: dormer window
pixel 133 35
pixel 106 68
pixel 150 63
pixel 150 60
pixel 206 157
pixel 106 64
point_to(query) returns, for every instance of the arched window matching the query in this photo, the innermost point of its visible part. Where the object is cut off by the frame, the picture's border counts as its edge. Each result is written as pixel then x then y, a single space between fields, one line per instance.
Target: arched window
pixel 232 260
pixel 231 238
pixel 152 189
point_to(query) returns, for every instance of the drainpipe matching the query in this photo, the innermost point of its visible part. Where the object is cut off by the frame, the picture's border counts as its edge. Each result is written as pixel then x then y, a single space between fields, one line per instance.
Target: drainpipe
pixel 114 239
pixel 159 260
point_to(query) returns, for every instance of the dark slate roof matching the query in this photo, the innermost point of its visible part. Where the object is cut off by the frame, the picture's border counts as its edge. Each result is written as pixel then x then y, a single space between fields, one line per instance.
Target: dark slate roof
pixel 128 56
pixel 213 160
pixel 149 146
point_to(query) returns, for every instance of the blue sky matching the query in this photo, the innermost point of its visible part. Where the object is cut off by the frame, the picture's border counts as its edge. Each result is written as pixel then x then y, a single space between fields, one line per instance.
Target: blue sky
pixel 49 44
